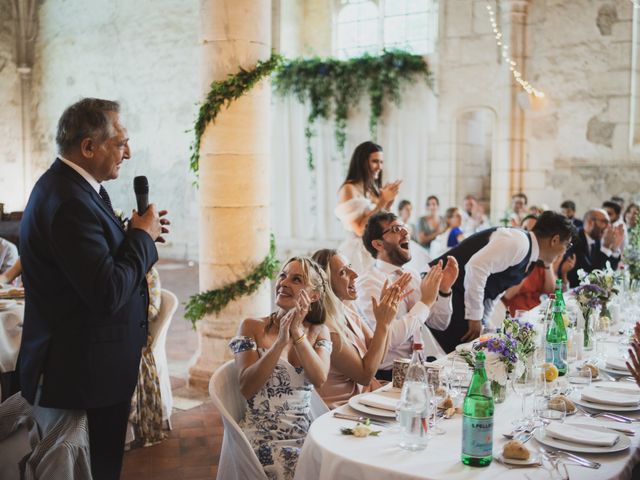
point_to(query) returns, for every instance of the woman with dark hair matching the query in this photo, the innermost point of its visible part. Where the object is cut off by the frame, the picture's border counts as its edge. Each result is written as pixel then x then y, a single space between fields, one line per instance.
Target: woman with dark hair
pixel 432 224
pixel 280 359
pixel 361 195
pixel 452 236
pixel 358 350
pixel 631 216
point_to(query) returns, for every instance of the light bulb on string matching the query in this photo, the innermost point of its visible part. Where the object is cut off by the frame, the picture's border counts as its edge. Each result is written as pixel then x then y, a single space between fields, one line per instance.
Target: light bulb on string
pixel 504 51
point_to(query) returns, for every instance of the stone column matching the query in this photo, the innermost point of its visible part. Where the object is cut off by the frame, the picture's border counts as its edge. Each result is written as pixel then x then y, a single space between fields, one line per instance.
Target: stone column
pixel 517 17
pixel 234 174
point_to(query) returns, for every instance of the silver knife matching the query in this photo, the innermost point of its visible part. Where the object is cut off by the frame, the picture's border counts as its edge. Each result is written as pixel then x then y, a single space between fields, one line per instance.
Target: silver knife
pixel 583 461
pixel 355 418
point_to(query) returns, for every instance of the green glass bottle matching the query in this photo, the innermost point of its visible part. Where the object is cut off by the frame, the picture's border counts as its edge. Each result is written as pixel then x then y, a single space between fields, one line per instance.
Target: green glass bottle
pixel 556 344
pixel 560 298
pixel 477 419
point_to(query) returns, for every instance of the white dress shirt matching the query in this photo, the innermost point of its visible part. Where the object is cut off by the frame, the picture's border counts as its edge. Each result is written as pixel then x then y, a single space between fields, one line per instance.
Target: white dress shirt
pixel 507 247
pixel 410 315
pixel 83 173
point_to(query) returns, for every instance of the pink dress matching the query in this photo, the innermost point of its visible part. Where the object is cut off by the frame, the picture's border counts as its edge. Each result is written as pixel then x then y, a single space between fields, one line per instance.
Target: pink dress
pixel 339 388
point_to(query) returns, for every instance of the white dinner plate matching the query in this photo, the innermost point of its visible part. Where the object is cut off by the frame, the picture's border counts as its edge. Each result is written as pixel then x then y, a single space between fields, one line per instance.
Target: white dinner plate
pixel 532 461
pixel 622 443
pixel 7 304
pixel 616 372
pixel 605 407
pixel 379 412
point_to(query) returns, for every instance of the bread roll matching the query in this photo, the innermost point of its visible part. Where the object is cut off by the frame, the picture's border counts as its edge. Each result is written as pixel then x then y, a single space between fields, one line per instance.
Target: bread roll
pixel 593 368
pixel 516 450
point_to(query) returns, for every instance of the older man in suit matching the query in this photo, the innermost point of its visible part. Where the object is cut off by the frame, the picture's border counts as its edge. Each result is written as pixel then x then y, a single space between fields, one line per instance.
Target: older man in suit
pixel 596 243
pixel 84 277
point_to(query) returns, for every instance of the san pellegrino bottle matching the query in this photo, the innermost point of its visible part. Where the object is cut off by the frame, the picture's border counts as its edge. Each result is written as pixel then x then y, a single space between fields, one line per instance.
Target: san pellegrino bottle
pixel 477 419
pixel 556 344
pixel 560 300
pixel 413 408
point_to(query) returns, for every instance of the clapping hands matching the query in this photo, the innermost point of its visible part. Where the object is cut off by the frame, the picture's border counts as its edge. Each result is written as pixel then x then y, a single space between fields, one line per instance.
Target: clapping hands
pixel 385 309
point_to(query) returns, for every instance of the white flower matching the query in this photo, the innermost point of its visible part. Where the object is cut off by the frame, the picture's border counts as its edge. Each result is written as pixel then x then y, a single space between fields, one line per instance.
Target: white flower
pixel 495 368
pixel 361 430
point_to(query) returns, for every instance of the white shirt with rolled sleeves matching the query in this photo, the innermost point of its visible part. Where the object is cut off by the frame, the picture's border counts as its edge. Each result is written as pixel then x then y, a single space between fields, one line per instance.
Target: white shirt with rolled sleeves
pixel 507 247
pixel 410 315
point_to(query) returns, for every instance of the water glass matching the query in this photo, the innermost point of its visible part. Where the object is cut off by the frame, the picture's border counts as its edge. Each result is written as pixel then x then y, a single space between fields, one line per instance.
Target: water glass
pixel 550 409
pixel 413 415
pixel 524 385
pixel 580 376
pixel 438 393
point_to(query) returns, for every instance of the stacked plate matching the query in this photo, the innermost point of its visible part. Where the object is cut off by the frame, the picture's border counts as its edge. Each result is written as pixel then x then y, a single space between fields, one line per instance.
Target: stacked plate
pixel 582 438
pixel 381 403
pixel 611 397
pixel 616 366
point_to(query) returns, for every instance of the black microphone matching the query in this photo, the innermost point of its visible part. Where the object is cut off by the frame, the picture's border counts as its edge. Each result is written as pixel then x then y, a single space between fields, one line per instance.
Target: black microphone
pixel 141 189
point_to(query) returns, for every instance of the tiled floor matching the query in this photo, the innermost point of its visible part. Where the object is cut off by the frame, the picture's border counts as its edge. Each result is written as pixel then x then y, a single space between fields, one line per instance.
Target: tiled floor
pixel 192 448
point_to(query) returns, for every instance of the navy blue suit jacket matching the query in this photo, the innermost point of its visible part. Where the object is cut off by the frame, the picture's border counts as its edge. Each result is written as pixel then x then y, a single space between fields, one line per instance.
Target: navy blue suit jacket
pixel 85 319
pixel 585 261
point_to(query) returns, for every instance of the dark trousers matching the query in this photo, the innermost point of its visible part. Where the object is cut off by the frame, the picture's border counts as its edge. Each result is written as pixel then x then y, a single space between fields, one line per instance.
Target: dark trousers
pixel 107 432
pixel 384 375
pixel 450 338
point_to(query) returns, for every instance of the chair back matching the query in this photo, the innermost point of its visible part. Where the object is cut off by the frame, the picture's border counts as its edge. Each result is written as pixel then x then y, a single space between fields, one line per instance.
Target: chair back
pixel 238 461
pixel 158 329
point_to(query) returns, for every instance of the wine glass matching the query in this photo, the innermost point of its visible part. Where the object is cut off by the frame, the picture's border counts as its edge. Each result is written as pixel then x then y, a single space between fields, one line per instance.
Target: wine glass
pixel 601 332
pixel 524 385
pixel 580 377
pixel 438 393
pixel 550 409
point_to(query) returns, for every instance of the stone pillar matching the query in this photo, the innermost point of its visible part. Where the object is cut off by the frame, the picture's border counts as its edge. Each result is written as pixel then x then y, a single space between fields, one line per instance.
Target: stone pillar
pixel 234 174
pixel 517 18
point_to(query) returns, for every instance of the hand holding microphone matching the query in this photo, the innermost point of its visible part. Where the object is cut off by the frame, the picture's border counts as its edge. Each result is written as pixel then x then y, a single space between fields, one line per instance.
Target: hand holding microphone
pixel 147 217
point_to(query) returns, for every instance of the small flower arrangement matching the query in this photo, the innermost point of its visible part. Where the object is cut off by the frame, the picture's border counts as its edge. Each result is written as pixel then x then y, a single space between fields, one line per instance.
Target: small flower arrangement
pixel 361 430
pixel 523 333
pixel 124 221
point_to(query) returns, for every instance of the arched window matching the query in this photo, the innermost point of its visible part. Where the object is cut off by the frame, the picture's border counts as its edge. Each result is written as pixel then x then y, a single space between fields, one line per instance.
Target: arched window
pixel 369 26
pixel 357 28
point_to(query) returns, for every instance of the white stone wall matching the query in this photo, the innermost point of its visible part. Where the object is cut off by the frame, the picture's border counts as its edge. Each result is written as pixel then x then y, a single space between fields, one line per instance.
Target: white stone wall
pixel 144 54
pixel 11 167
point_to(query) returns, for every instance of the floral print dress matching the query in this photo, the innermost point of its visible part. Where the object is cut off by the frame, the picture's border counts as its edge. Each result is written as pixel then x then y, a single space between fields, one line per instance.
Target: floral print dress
pixel 278 417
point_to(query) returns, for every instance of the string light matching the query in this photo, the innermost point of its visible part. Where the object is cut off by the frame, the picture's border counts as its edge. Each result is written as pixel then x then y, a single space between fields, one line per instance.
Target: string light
pixel 504 51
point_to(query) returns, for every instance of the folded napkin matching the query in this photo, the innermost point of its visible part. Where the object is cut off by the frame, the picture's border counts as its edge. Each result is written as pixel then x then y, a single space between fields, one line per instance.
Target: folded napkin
pixel 580 435
pixel 627 428
pixel 628 389
pixel 606 397
pixel 377 400
pixel 617 363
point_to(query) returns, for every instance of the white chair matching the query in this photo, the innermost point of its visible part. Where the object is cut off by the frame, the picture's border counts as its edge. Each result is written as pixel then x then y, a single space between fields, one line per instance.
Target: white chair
pixel 158 330
pixel 238 461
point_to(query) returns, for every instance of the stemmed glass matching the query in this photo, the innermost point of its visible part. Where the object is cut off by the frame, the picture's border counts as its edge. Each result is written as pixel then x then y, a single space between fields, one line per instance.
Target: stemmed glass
pixel 438 393
pixel 601 332
pixel 524 385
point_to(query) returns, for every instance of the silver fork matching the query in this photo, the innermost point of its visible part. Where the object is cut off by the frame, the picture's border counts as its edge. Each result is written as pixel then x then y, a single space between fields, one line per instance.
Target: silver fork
pixel 612 416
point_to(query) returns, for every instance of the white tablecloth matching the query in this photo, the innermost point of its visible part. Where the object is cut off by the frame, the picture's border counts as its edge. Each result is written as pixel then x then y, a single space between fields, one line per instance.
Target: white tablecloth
pixel 329 455
pixel 10 335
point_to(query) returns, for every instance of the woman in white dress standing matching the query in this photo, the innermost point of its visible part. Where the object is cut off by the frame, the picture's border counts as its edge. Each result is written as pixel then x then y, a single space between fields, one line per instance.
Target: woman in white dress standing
pixel 361 195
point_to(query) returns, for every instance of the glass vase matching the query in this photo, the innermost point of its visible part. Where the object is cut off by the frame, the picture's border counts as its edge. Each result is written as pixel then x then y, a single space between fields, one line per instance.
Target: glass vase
pixel 499 391
pixel 591 317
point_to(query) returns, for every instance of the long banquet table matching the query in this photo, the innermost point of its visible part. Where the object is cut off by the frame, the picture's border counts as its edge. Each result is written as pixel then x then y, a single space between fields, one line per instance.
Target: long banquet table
pixel 329 455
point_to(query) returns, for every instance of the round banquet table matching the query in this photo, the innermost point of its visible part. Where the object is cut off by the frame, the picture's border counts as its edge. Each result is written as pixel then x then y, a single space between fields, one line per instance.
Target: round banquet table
pixel 10 335
pixel 329 455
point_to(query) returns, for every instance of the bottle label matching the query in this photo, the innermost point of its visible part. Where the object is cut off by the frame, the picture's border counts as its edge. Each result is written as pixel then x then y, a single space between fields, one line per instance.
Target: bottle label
pixel 477 436
pixel 556 353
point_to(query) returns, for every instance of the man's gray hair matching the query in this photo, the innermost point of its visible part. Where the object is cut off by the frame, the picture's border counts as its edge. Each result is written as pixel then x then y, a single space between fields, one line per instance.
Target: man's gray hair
pixel 87 118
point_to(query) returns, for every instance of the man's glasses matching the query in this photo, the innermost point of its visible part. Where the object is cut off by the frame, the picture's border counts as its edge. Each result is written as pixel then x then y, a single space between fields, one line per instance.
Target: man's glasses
pixel 397 228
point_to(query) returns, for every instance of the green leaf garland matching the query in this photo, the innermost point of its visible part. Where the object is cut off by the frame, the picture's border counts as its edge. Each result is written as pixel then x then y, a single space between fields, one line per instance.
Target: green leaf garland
pixel 224 92
pixel 335 86
pixel 213 301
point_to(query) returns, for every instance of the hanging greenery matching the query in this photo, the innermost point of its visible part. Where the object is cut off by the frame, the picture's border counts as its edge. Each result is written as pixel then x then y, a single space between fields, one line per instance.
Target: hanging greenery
pixel 335 86
pixel 224 92
pixel 213 301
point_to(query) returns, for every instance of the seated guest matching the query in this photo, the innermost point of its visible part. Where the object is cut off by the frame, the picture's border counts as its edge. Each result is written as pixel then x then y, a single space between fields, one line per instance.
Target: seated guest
pixel 404 212
pixel 596 243
pixel 568 209
pixel 8 255
pixel 518 210
pixel 387 239
pixel 357 350
pixel 541 280
pixel 432 224
pixel 492 261
pixel 452 236
pixel 633 364
pixel 614 210
pixel 280 359
pixel 473 216
pixel 631 216
pixel 10 276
